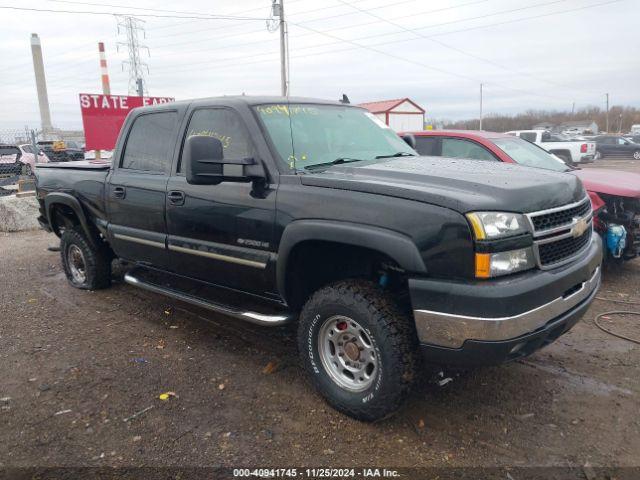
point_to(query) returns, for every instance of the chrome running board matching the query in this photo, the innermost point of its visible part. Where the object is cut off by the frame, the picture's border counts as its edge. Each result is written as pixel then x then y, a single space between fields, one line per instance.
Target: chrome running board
pixel 253 317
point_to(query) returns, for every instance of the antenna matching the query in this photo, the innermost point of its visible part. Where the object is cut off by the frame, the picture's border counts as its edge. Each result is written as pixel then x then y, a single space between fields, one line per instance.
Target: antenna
pixel 132 28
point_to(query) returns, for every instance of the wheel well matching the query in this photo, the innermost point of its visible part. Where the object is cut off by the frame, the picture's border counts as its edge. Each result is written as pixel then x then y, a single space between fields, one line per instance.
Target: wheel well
pixel 564 153
pixel 62 216
pixel 314 263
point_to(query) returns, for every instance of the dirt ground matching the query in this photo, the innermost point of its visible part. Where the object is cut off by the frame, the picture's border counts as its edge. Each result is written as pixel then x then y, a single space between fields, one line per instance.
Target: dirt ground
pixel 81 372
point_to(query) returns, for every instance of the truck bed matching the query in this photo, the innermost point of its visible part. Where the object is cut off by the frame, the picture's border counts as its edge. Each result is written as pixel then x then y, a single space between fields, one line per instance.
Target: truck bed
pixel 83 180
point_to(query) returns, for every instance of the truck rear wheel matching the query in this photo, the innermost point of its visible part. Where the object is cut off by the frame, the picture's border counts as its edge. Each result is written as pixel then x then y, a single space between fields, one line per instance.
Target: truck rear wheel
pixel 359 349
pixel 86 267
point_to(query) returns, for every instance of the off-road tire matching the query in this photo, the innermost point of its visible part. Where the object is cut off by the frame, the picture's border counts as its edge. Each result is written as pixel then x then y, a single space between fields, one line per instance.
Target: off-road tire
pixel 97 260
pixel 392 334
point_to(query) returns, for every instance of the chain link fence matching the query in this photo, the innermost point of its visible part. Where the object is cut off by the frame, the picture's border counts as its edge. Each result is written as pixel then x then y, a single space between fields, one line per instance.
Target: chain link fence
pixel 18 155
pixel 21 150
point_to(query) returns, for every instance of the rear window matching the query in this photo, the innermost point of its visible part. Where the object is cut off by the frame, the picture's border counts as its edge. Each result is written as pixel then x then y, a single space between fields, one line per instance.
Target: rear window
pixel 528 136
pixel 150 143
pixel 9 154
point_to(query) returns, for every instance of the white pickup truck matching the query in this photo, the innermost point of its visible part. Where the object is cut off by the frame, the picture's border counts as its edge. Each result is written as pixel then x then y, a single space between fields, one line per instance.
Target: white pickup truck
pixel 569 151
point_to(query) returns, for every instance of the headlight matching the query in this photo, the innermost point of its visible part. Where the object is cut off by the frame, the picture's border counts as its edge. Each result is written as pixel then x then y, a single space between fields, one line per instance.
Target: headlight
pixel 503 263
pixel 494 225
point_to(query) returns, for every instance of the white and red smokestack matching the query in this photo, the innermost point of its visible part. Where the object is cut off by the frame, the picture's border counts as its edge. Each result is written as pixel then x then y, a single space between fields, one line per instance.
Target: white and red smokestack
pixel 106 89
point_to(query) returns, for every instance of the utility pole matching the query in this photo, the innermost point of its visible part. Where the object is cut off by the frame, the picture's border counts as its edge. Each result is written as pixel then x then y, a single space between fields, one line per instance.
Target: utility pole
pixel 607 117
pixel 480 107
pixel 573 108
pixel 133 27
pixel 277 10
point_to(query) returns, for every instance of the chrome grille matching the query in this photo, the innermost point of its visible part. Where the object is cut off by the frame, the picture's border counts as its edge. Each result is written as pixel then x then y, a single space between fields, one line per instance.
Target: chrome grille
pixel 557 235
pixel 554 252
pixel 561 217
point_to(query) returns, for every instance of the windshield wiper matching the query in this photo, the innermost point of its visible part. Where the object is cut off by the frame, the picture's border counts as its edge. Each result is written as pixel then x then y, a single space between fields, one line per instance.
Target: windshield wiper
pixel 397 154
pixel 337 161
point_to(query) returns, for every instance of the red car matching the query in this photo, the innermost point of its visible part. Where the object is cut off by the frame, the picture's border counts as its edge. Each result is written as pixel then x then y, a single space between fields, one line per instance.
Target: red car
pixel 615 195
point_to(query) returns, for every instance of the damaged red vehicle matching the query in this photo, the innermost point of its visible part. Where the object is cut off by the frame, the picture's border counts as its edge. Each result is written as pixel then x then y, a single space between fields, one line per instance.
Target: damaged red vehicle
pixel 615 195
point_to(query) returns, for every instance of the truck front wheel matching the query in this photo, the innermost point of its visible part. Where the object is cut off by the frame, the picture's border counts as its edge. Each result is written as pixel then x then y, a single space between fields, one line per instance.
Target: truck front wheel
pixel 359 349
pixel 86 267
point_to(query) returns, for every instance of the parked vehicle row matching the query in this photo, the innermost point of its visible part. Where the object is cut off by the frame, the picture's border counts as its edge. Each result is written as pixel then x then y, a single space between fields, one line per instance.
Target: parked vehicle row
pixel 615 196
pixel 62 151
pixel 617 145
pixel 20 159
pixel 569 151
pixel 277 210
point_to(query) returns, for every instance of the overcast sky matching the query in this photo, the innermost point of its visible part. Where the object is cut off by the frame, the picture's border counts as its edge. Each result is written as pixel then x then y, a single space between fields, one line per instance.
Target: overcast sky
pixel 540 54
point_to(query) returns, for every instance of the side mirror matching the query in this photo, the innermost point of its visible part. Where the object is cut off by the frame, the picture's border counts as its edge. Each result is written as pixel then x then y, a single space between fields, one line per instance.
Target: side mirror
pixel 410 140
pixel 203 158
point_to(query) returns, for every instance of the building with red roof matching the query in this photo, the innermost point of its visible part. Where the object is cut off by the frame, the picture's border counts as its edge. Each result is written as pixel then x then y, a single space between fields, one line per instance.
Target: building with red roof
pixel 401 114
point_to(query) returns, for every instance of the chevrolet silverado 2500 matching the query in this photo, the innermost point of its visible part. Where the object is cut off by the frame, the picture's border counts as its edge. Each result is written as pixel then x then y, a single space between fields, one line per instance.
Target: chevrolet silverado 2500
pixel 276 210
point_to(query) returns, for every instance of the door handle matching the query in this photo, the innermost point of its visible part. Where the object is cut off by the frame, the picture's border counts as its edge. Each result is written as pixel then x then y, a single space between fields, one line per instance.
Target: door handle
pixel 176 197
pixel 119 192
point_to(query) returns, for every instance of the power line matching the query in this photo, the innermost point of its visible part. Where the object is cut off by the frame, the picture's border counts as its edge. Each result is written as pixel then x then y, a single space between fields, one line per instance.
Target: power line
pixel 414 14
pixel 356 46
pixel 405 40
pixel 451 47
pixel 157 10
pixel 111 14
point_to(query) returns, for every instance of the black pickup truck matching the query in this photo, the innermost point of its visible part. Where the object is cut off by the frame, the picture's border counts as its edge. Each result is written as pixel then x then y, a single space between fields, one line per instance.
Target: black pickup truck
pixel 276 210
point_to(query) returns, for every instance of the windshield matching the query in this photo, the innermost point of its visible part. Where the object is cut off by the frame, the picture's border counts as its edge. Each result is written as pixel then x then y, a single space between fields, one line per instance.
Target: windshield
pixel 526 153
pixel 308 136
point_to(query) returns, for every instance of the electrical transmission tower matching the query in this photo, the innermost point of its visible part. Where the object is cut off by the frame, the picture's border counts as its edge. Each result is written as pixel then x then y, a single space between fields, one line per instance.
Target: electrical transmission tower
pixel 133 28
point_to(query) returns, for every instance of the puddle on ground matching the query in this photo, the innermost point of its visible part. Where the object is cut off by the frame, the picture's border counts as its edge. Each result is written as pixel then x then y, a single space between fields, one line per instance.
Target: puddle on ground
pixel 580 382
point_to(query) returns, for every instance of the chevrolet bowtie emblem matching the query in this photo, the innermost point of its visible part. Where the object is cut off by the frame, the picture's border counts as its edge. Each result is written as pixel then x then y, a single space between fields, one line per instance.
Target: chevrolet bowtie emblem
pixel 579 227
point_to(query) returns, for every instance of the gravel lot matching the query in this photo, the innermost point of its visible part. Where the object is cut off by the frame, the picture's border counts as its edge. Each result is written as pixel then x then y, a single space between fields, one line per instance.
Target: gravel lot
pixel 74 365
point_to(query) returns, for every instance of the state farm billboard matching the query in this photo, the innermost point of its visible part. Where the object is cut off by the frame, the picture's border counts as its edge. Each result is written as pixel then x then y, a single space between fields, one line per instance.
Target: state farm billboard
pixel 103 116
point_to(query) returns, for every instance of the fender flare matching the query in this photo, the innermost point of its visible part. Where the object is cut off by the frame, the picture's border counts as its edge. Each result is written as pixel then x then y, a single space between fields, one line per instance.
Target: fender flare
pixel 395 245
pixel 57 198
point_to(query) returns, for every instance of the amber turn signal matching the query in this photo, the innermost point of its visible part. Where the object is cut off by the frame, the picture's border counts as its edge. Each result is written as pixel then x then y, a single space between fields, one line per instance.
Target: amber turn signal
pixel 483 265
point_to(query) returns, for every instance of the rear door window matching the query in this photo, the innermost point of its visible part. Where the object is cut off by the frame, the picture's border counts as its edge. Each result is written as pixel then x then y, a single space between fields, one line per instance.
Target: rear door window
pixel 428 146
pixel 460 148
pixel 151 142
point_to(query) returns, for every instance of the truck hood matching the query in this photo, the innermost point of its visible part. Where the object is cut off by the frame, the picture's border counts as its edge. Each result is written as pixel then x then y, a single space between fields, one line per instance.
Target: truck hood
pixel 461 185
pixel 611 182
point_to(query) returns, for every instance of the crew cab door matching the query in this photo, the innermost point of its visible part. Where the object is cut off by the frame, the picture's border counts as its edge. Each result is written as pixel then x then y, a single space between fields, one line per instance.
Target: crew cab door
pixel 606 145
pixel 136 189
pixel 222 234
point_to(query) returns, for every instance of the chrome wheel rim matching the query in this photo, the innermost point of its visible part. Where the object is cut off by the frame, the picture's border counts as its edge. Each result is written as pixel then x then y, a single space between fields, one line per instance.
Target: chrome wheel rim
pixel 77 267
pixel 636 155
pixel 347 353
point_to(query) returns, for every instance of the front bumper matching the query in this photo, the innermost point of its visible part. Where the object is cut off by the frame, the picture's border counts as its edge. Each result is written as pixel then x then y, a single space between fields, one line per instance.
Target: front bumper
pixel 497 317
